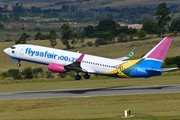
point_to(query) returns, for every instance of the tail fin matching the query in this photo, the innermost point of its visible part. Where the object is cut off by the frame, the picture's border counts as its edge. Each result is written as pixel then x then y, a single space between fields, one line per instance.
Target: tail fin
pixel 156 56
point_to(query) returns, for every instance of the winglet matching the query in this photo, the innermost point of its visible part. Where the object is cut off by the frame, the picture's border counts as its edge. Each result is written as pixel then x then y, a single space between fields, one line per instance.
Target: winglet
pixel 131 54
pixel 80 58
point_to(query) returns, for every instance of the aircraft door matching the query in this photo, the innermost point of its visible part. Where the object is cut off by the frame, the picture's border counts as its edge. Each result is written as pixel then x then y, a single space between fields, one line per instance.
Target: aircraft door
pixel 21 51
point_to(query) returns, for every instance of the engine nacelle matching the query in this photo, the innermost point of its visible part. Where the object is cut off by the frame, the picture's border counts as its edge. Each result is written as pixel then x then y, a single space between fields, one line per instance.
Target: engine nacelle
pixel 58 68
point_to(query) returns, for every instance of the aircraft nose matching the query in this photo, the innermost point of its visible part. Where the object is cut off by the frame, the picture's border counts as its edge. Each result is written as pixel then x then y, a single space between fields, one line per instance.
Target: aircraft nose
pixel 6 50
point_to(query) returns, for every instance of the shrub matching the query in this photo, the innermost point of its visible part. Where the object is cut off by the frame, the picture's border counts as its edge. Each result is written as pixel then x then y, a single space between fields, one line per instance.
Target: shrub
pixel 62 75
pixel 28 73
pixel 5 75
pixel 100 41
pixel 83 45
pixel 141 34
pixel 173 61
pixel 122 37
pixel 49 74
pixel 37 70
pixel 14 73
pixel 89 43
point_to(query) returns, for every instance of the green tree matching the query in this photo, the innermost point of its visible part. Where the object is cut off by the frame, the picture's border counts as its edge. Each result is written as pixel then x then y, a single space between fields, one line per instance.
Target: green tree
pixel 22 39
pixel 77 38
pixel 163 16
pixel 89 31
pixel 17 8
pixel 53 37
pixel 6 7
pixel 38 36
pixel 65 8
pixel 107 25
pixel 175 26
pixel 149 27
pixel 141 34
pixel 108 37
pixel 66 35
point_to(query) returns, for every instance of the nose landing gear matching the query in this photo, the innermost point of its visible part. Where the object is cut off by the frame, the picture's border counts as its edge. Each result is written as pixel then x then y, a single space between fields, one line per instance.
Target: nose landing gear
pixel 18 64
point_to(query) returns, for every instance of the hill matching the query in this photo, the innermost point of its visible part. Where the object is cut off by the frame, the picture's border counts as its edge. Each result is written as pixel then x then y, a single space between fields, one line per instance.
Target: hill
pixel 91 4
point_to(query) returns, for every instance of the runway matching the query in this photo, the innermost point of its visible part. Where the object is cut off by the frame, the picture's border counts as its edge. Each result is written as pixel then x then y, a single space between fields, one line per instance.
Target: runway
pixel 121 90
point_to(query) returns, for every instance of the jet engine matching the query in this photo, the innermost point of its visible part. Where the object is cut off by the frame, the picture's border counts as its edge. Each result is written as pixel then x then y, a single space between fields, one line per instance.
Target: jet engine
pixel 58 68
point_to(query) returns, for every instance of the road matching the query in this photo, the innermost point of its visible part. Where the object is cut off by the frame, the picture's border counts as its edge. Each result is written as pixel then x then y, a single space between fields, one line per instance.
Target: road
pixel 121 90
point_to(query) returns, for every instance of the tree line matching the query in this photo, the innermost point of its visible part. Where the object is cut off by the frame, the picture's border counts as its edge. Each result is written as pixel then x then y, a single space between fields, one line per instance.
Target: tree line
pixel 74 14
pixel 106 31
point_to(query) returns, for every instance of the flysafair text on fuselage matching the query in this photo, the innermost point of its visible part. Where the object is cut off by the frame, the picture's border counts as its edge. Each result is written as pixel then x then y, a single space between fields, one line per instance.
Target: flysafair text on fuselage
pixel 51 55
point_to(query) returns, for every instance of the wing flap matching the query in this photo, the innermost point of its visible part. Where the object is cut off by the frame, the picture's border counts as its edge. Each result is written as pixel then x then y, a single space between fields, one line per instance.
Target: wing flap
pixel 77 64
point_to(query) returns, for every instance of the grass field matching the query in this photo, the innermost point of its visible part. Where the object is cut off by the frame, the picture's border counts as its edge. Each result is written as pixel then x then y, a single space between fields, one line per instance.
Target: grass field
pixel 50 84
pixel 144 107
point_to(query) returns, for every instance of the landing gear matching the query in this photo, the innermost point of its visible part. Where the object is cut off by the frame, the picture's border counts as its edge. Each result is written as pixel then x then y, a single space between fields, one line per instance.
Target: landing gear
pixel 86 76
pixel 18 64
pixel 77 77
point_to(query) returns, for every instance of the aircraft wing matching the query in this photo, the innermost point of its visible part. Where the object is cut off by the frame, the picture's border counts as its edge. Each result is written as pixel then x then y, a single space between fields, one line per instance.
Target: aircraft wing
pixel 130 55
pixel 77 64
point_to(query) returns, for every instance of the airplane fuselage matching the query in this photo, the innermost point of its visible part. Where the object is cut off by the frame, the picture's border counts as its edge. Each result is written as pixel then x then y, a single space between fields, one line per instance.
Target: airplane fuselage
pixel 45 55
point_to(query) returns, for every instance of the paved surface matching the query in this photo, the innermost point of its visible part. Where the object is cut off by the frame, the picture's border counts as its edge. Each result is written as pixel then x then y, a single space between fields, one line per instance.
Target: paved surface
pixel 90 92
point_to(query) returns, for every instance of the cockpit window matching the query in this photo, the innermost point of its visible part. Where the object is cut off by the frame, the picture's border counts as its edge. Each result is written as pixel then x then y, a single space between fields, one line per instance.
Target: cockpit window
pixel 13 47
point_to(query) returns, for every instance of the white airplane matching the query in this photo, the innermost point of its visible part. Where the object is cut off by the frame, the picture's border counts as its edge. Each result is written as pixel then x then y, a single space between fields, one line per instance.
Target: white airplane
pixel 62 61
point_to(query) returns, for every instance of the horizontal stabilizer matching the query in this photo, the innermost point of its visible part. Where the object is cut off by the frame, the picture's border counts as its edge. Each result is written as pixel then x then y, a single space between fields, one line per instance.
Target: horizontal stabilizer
pixel 168 69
